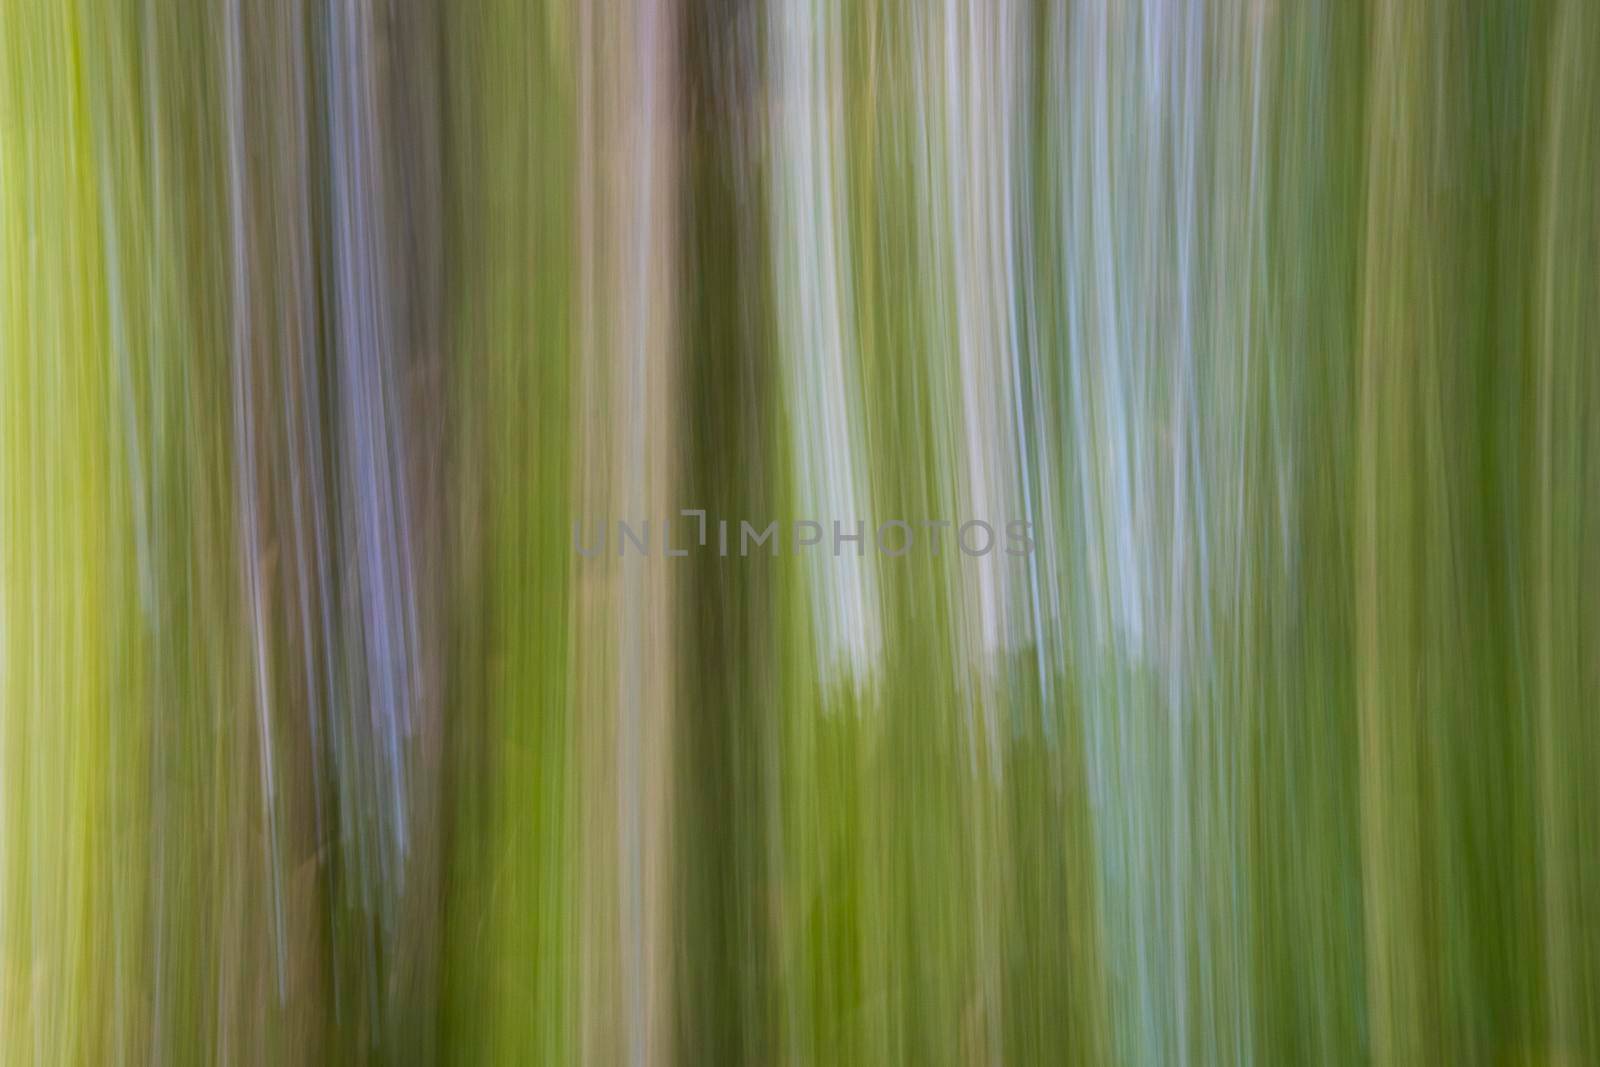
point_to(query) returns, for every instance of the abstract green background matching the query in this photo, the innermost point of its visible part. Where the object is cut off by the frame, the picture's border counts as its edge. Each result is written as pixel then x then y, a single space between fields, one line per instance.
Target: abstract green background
pixel 322 322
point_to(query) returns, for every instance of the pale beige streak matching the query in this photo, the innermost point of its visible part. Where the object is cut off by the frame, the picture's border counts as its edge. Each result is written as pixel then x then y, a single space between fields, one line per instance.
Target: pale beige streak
pixel 626 394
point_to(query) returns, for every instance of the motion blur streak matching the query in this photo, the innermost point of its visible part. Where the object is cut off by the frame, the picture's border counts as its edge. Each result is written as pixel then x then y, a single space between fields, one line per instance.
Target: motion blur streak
pixel 323 321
